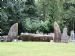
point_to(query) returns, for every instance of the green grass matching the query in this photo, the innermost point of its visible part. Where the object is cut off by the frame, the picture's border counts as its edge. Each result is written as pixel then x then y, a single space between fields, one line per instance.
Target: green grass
pixel 37 49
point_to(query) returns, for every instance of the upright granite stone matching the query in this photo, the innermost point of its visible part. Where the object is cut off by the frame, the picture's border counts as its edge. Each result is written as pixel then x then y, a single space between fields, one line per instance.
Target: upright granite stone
pixel 64 37
pixel 13 32
pixel 57 32
pixel 72 37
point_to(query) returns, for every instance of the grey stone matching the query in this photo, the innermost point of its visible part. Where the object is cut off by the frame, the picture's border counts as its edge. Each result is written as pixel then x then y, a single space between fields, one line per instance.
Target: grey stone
pixel 57 32
pixel 5 38
pixel 35 37
pixel 1 39
pixel 13 32
pixel 72 37
pixel 64 37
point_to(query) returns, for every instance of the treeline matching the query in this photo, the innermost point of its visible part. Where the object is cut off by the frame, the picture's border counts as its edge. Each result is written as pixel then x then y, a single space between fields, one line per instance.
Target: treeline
pixel 36 15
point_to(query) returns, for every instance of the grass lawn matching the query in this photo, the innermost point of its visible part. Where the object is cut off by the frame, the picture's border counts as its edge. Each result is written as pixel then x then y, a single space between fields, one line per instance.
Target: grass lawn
pixel 36 49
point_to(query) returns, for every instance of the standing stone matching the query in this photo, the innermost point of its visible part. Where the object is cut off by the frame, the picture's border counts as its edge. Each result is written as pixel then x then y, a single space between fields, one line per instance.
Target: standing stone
pixel 64 37
pixel 1 39
pixel 57 32
pixel 4 38
pixel 13 32
pixel 72 37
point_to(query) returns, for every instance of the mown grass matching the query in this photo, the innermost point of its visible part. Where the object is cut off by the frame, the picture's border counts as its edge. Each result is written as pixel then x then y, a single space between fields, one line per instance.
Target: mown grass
pixel 36 49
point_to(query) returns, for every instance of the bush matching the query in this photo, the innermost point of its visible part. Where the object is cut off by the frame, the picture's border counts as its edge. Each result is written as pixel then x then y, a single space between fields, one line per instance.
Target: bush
pixel 30 25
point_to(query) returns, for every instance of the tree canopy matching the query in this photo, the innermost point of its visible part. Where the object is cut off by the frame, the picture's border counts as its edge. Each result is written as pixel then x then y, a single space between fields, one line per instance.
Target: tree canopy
pixel 36 15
